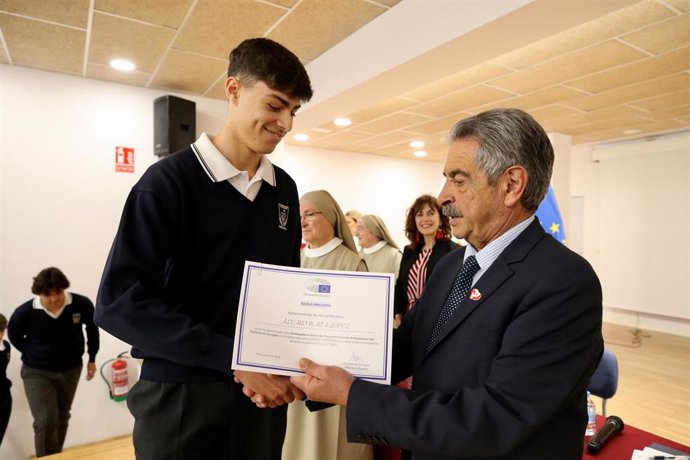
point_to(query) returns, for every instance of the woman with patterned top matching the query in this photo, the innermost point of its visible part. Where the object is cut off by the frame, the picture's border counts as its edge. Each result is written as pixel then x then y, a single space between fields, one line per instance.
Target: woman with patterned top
pixel 429 233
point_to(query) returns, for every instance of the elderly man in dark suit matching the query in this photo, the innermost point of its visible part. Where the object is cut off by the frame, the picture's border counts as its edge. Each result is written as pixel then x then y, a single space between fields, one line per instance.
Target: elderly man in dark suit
pixel 508 330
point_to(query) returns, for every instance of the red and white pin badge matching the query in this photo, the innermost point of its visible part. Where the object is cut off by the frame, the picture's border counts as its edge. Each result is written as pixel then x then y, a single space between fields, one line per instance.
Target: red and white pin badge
pixel 475 294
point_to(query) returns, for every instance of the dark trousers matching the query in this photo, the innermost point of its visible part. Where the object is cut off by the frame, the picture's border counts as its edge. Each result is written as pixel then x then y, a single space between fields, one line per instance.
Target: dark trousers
pixel 204 421
pixel 50 395
pixel 5 410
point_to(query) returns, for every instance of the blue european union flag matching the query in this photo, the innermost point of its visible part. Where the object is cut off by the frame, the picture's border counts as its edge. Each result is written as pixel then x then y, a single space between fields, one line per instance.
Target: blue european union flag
pixel 325 288
pixel 550 217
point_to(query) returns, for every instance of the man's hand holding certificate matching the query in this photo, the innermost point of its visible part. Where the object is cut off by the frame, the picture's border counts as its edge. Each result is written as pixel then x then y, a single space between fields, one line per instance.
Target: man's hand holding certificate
pixel 335 318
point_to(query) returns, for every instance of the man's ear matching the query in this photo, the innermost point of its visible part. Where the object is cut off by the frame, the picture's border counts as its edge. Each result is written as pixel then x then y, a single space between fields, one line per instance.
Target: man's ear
pixel 514 184
pixel 232 88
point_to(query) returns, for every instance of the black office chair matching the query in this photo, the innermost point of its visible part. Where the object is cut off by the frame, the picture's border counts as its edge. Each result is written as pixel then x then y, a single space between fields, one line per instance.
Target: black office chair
pixel 604 382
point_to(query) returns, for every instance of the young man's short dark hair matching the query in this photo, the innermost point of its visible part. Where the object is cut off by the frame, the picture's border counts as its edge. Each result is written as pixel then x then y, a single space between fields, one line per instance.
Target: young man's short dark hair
pixel 48 280
pixel 261 59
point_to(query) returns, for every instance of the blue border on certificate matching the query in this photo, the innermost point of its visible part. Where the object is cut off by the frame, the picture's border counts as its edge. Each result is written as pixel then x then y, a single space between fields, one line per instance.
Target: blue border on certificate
pixel 258 267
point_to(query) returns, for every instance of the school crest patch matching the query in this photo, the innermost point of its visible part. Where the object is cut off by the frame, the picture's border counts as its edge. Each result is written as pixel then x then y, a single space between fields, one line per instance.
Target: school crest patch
pixel 283 212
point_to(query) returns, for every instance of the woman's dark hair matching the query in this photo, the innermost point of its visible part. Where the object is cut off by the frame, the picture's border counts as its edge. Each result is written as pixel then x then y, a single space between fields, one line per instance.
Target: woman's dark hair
pixel 261 59
pixel 3 322
pixel 411 226
pixel 48 280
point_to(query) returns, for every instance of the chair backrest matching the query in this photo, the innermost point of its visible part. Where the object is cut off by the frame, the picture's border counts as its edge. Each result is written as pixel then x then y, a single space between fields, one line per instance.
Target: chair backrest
pixel 604 381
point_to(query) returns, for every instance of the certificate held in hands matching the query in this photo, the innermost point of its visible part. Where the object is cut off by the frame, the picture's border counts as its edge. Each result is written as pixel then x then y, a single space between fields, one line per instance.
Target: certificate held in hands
pixel 332 317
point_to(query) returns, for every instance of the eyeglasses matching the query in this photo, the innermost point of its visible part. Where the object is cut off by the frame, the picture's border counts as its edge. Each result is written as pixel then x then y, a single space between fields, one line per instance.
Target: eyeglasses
pixel 309 216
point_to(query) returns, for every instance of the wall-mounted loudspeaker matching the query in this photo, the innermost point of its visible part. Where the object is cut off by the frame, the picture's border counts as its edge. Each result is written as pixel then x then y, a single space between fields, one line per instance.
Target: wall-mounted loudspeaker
pixel 174 124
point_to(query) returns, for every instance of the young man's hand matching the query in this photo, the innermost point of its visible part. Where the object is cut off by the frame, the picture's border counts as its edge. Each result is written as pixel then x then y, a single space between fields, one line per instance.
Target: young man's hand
pixel 268 390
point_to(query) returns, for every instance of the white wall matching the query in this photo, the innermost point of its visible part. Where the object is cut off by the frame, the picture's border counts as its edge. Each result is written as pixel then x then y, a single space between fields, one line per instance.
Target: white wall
pixel 638 242
pixel 61 199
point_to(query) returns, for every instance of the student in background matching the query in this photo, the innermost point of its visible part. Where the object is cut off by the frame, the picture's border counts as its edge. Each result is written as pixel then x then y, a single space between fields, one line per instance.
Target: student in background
pixel 5 383
pixel 172 280
pixel 48 331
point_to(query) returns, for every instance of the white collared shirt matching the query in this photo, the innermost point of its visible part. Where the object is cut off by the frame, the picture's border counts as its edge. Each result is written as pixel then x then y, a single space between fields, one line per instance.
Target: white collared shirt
pixel 218 168
pixel 489 253
pixel 375 248
pixel 37 305
pixel 323 250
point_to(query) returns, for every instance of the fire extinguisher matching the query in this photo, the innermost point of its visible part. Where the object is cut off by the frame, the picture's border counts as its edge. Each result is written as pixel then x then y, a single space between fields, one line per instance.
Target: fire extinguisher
pixel 120 380
pixel 118 383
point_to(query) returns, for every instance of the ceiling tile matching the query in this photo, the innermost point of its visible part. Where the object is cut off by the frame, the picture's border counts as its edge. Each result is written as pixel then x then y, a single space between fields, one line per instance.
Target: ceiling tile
pixel 381 109
pixel 216 27
pixel 623 20
pixel 550 112
pixel 617 133
pixel 569 66
pixel 167 14
pixel 313 26
pixel 438 125
pixel 623 122
pixel 105 72
pixel 69 12
pixel 470 77
pixel 388 3
pixel 114 37
pixel 680 5
pixel 461 101
pixel 662 102
pixel 217 91
pixel 670 112
pixel 636 72
pixel 432 144
pixel 544 97
pixel 42 45
pixel 340 139
pixel 398 120
pixel 283 3
pixel 631 93
pixel 663 36
pixel 376 142
pixel 185 71
pixel 564 124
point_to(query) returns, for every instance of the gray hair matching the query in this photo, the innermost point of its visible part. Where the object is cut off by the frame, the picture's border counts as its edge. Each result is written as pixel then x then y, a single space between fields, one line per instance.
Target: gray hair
pixel 509 137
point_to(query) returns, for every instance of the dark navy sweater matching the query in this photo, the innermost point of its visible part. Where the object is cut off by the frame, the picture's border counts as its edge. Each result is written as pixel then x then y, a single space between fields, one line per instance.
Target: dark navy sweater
pixel 54 344
pixel 172 280
pixel 5 354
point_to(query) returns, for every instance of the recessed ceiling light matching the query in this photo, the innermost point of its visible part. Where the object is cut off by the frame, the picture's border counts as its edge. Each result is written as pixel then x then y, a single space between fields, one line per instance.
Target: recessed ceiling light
pixel 122 65
pixel 419 153
pixel 632 131
pixel 342 122
pixel 416 144
pixel 301 137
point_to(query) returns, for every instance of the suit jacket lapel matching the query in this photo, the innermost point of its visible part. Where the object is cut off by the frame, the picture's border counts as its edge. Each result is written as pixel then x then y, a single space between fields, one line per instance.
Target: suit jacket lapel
pixel 497 274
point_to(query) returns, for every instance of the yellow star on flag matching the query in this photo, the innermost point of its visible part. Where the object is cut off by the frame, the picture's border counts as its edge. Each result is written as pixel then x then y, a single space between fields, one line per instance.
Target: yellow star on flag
pixel 554 228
